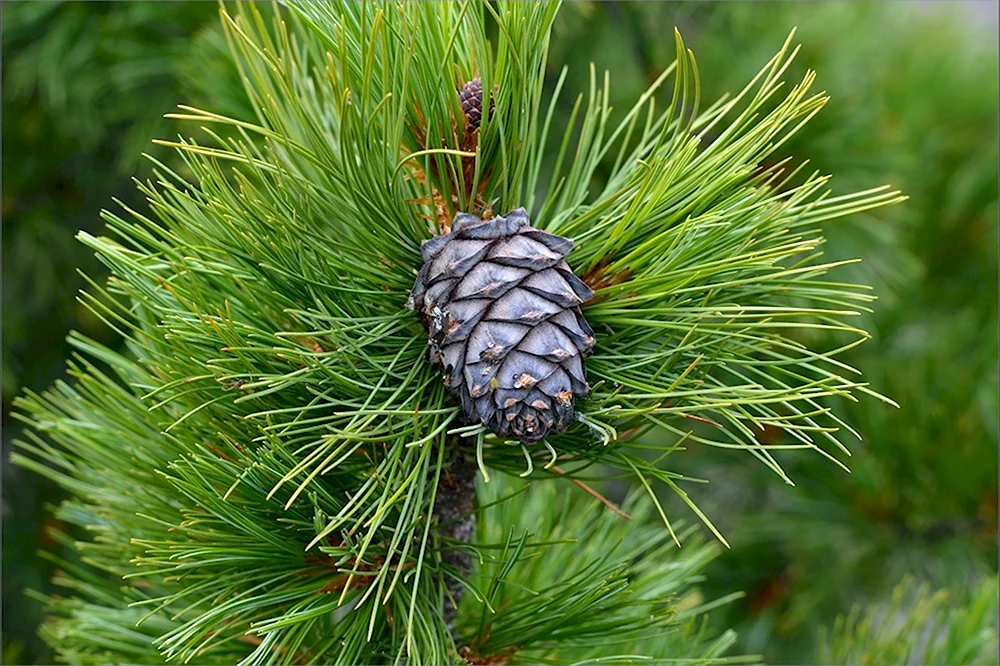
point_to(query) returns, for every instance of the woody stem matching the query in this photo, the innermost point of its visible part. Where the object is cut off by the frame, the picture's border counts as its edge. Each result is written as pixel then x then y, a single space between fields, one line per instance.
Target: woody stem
pixel 454 510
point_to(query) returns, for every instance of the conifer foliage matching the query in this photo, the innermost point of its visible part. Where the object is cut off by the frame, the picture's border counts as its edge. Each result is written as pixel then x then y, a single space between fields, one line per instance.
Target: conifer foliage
pixel 273 473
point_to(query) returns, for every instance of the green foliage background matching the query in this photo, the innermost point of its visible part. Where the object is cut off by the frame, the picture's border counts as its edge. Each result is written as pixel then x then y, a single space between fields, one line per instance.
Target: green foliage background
pixel 914 103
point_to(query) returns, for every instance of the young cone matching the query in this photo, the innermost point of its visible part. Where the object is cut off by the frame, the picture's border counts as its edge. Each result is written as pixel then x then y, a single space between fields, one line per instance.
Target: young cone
pixel 470 97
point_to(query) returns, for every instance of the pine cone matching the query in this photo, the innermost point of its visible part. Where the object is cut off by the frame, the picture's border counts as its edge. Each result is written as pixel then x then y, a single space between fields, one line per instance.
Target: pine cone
pixel 502 311
pixel 471 99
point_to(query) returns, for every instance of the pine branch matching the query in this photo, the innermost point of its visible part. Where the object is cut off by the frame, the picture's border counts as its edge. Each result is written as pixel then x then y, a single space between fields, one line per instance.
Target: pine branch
pixel 916 626
pixel 562 580
pixel 288 448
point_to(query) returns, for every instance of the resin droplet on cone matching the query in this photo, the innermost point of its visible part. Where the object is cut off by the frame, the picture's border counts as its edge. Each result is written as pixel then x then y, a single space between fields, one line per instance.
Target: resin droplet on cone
pixel 502 311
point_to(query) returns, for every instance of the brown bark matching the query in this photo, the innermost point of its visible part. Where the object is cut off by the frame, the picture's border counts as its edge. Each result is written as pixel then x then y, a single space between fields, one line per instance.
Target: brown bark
pixel 454 510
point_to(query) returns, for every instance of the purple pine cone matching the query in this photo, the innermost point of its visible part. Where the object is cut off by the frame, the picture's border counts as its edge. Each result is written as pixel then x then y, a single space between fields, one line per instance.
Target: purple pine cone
pixel 502 310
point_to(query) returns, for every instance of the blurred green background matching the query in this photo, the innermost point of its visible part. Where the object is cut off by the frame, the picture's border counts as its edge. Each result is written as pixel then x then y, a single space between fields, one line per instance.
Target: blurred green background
pixel 914 89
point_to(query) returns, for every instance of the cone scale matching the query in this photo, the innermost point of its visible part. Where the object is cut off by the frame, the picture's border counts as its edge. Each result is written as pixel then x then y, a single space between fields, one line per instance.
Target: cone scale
pixel 502 312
